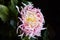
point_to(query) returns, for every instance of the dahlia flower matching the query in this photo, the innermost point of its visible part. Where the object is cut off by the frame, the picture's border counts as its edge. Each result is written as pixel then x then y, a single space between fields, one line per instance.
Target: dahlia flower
pixel 32 20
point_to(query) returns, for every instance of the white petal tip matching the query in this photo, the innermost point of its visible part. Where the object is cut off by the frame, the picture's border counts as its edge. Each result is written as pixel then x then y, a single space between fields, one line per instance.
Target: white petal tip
pixel 44 28
pixel 24 4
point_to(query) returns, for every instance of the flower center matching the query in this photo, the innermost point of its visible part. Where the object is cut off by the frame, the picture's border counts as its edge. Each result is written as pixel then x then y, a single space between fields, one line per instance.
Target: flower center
pixel 31 19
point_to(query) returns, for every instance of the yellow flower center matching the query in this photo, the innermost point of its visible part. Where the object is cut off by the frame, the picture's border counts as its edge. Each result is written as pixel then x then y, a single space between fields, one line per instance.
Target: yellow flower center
pixel 31 19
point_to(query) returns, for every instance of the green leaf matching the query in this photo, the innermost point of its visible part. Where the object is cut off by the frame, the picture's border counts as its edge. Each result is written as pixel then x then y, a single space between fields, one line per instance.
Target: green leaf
pixel 13 10
pixel 25 38
pixel 12 7
pixel 45 36
pixel 4 13
pixel 32 39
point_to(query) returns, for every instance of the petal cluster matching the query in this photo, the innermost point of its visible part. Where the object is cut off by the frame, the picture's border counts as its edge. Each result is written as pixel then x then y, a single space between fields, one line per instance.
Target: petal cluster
pixel 32 20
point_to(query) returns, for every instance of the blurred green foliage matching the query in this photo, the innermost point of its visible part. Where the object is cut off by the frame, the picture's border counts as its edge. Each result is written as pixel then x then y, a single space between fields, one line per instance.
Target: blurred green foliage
pixel 25 38
pixel 9 16
pixel 12 7
pixel 4 12
pixel 45 35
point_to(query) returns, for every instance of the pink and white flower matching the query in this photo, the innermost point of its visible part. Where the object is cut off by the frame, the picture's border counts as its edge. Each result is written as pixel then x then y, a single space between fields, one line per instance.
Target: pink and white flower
pixel 32 20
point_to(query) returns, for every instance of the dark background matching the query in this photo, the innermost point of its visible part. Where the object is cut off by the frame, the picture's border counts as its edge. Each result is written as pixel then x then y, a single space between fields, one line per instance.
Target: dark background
pixel 50 10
